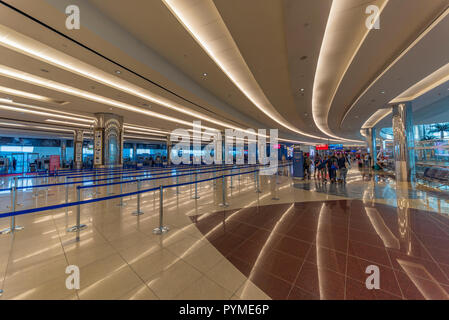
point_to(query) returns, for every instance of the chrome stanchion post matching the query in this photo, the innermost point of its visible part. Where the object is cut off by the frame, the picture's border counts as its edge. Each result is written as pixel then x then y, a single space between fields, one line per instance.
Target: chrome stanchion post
pixel 240 170
pixel 223 203
pixel 161 229
pixel 66 197
pixel 138 212
pixel 277 176
pixel 177 184
pixel 275 187
pixel 16 185
pixel 231 186
pixel 78 227
pixel 121 203
pixel 256 178
pixel 13 227
pixel 196 188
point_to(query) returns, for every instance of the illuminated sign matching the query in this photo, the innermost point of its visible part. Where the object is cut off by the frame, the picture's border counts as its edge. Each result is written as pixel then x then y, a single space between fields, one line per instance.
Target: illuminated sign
pixel 336 147
pixel 322 147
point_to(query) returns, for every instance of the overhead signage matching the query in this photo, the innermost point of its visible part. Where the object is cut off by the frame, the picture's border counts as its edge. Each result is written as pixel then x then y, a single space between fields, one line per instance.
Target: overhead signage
pixel 322 147
pixel 336 147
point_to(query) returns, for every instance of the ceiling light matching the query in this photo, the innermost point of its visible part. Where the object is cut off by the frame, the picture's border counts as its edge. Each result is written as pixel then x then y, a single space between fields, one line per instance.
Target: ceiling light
pixel 143 138
pixel 118 72
pixel 205 74
pixel 68 123
pixel 12 124
pixel 52 129
pixel 322 100
pixel 404 96
pixel 47 114
pixel 148 133
pixel 20 43
pixel 53 113
pixel 24 94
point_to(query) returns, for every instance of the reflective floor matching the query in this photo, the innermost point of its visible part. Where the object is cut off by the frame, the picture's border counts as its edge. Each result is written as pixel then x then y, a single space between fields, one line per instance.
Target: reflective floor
pixel 294 240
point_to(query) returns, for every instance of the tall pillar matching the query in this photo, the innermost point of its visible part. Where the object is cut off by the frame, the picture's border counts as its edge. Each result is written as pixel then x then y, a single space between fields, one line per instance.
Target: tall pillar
pixel 78 149
pixel 370 134
pixel 63 152
pixel 169 146
pixel 404 143
pixel 108 140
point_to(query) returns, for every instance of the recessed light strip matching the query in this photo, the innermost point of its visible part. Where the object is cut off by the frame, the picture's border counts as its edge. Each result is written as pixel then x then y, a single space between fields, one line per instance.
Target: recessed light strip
pixel 24 94
pixel 414 43
pixel 68 123
pixel 20 43
pixel 320 108
pixel 196 19
pixel 40 113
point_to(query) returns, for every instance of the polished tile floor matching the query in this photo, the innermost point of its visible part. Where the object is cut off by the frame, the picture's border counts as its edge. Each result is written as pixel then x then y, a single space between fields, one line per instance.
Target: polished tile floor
pixel 314 242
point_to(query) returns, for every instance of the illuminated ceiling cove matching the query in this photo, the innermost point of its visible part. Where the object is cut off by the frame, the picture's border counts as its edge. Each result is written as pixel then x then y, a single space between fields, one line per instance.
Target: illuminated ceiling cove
pixel 163 64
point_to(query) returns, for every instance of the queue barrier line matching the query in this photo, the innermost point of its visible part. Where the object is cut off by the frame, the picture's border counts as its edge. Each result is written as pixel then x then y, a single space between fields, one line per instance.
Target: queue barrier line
pixel 95 185
pixel 161 229
pixel 79 173
pixel 157 170
pixel 156 178
pixel 104 172
pixel 71 204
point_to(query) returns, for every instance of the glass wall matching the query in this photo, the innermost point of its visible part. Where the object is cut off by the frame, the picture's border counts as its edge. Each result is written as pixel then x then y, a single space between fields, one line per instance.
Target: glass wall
pixel 431 144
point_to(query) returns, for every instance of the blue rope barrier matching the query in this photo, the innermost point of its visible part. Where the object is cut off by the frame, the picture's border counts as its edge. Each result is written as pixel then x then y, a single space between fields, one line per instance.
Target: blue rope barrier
pixel 70 204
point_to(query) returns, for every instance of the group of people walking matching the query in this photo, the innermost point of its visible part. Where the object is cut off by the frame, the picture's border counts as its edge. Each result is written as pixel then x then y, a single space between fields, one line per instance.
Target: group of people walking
pixel 333 167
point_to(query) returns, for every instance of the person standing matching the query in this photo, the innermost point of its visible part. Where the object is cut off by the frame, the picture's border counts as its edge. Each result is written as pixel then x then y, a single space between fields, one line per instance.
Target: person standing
pixel 315 166
pixel 332 168
pixel 306 166
pixel 323 168
pixel 343 166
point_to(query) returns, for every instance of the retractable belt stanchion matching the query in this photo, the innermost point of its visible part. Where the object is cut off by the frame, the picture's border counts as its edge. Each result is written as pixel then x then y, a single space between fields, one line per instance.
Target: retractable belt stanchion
pixel 121 203
pixel 66 196
pixel 16 185
pixel 177 183
pixel 232 171
pixel 196 187
pixel 256 178
pixel 36 190
pixel 138 212
pixel 277 176
pixel 223 203
pixel 78 227
pixel 161 229
pixel 274 186
pixel 46 179
pixel 13 228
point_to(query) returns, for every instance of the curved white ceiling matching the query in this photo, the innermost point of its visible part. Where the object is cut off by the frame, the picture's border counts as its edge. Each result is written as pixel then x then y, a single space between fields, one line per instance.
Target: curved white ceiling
pixel 345 32
pixel 203 21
